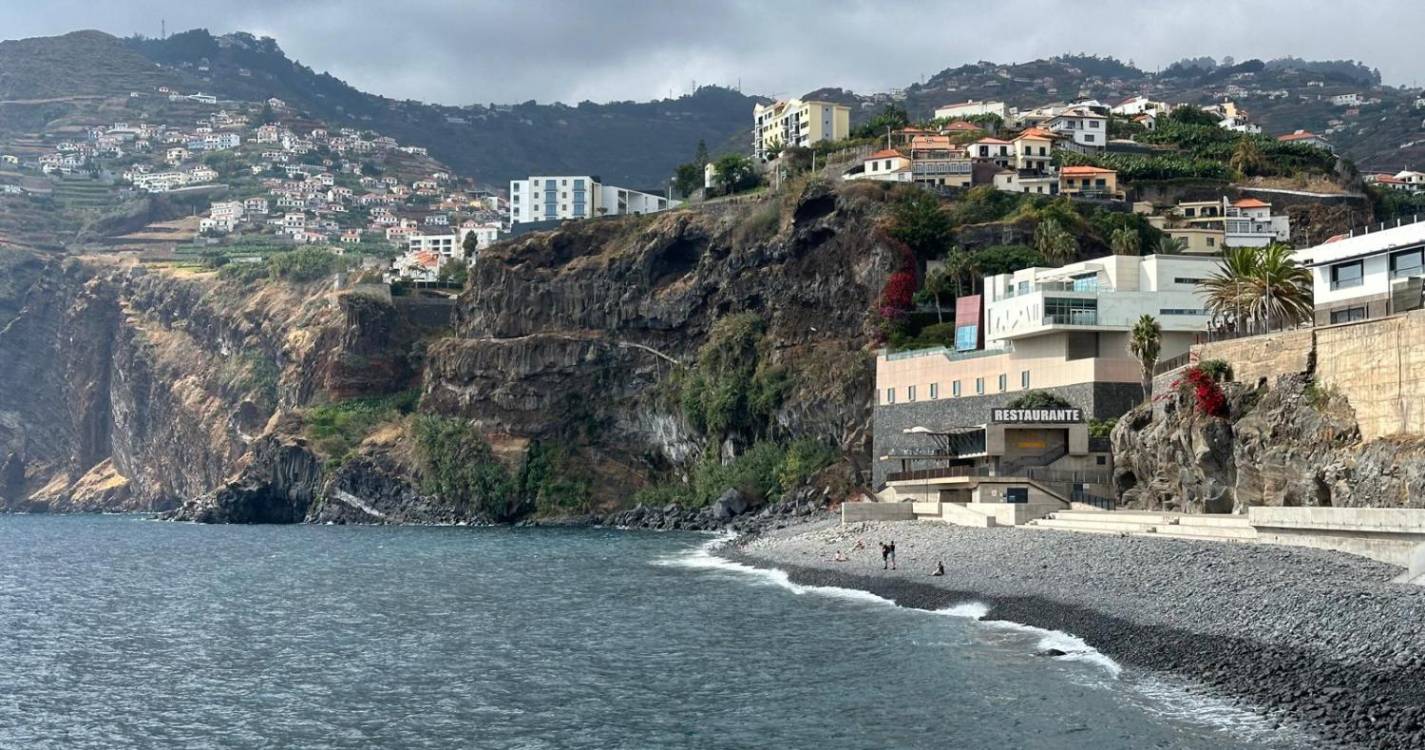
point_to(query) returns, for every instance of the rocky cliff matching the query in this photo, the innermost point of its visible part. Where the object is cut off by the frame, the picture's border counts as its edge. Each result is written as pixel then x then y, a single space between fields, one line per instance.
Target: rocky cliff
pixel 572 335
pixel 128 387
pixel 1284 443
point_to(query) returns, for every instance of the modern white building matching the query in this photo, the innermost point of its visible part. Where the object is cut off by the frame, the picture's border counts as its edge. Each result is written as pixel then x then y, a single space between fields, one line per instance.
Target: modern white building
pixel 1367 274
pixel 553 198
pixel 1082 128
pixel 971 108
pixel 1100 300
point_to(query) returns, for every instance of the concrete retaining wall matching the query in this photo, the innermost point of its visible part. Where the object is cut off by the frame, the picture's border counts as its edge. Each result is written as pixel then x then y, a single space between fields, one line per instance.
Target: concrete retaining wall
pixel 1389 535
pixel 854 512
pixel 1379 366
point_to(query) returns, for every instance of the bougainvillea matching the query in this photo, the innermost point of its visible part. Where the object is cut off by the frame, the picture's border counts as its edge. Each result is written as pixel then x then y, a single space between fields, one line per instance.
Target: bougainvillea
pixel 1206 392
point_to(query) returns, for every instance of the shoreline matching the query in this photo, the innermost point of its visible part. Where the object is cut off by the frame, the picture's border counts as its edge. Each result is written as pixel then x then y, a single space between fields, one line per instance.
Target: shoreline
pixel 1269 666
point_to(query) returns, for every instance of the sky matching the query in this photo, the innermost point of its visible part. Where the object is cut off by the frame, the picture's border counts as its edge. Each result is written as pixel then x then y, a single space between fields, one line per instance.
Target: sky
pixel 480 51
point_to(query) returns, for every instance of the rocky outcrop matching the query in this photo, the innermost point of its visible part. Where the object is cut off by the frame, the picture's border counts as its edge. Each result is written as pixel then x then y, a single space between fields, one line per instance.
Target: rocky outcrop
pixel 277 483
pixel 570 335
pixel 1287 443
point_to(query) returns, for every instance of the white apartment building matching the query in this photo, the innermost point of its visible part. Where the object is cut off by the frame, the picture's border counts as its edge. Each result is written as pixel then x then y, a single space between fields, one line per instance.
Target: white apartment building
pixel 1082 128
pixel 1093 305
pixel 447 244
pixel 793 122
pixel 1249 222
pixel 1138 105
pixel 971 108
pixel 1367 275
pixel 226 211
pixel 553 198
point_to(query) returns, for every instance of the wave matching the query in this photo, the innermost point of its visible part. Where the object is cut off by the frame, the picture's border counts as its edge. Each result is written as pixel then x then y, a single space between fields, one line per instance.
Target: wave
pixel 1074 647
pixel 704 557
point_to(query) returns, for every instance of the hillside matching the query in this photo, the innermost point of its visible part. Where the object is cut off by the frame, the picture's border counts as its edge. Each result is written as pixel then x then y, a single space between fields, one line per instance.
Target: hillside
pixel 628 143
pixel 639 143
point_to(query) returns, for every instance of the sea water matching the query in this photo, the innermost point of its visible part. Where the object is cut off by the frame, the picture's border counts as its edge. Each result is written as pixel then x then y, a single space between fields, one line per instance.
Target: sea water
pixel 120 632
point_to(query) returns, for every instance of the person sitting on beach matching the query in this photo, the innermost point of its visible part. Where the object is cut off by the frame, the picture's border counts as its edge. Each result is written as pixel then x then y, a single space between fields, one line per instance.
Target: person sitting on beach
pixel 840 556
pixel 860 544
pixel 939 569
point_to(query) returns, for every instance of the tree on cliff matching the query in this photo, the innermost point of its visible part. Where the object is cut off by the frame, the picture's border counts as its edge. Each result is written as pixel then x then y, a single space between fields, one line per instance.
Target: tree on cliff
pixel 1144 343
pixel 920 223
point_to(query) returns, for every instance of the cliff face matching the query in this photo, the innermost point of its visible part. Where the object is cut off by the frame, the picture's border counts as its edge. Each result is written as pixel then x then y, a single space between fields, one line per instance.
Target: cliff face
pixel 123 388
pixel 130 388
pixel 570 335
pixel 1289 443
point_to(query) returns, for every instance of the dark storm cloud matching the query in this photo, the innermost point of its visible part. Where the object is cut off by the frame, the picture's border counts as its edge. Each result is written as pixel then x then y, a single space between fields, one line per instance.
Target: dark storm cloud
pixel 462 52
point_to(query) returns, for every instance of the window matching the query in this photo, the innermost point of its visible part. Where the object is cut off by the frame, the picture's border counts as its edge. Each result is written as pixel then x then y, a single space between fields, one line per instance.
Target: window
pixel 1189 280
pixel 1088 137
pixel 890 395
pixel 1346 275
pixel 910 393
pixel 1212 242
pixel 1347 315
pixel 1181 311
pixel 1094 123
pixel 1407 263
pixel 934 390
pixel 1016 494
pixel 955 389
pixel 979 386
pixel 1003 383
pixel 1024 379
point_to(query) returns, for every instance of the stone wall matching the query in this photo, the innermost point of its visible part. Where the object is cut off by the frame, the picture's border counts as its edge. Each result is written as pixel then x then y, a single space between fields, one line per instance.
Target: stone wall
pixel 1379 366
pixel 1098 400
pixel 1258 357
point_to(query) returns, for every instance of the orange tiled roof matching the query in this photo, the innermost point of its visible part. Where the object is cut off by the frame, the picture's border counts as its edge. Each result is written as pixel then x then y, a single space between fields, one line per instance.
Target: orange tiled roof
pixel 1084 170
pixel 1036 133
pixel 993 141
pixel 886 153
pixel 963 126
pixel 1299 135
pixel 1251 203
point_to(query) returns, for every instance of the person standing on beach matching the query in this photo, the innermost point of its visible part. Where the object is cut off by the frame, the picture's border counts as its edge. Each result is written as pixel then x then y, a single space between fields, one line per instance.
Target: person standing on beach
pixel 893 554
pixel 885 556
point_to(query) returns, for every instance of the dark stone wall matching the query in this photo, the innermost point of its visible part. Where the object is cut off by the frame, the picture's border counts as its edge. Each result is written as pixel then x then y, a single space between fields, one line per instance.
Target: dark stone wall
pixel 1098 400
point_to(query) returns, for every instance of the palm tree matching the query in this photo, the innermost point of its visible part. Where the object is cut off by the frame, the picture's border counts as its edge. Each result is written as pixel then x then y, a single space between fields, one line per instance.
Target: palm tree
pixel 961 265
pixel 1260 289
pixel 1171 245
pixel 937 284
pixel 1246 157
pixel 1283 295
pixel 1054 242
pixel 1144 343
pixel 1125 241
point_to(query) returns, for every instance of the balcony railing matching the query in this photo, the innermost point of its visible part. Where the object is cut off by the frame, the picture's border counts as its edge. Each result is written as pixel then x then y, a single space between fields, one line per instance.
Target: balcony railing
pixel 1076 318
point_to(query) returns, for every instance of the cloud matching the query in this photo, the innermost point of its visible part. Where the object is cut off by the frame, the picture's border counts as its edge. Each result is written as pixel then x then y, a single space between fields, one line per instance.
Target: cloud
pixel 461 52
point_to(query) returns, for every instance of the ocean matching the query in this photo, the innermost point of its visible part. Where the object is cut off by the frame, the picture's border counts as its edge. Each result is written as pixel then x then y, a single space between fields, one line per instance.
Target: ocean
pixel 122 632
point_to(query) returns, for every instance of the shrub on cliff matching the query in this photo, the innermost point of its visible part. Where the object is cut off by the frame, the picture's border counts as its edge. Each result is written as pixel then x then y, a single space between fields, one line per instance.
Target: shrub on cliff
pixel 731 390
pixel 1207 393
pixel 306 264
pixel 459 466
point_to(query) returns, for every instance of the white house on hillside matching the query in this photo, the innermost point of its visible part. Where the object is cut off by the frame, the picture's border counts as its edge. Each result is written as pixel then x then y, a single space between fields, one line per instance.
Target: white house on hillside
pixel 577 197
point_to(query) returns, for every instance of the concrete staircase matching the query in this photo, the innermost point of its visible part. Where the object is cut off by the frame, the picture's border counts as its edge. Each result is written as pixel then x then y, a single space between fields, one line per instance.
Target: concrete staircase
pixel 1176 525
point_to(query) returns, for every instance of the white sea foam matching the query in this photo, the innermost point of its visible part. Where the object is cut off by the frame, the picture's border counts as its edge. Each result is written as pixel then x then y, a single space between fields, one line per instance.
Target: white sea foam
pixel 1177 701
pixel 702 558
pixel 1074 647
